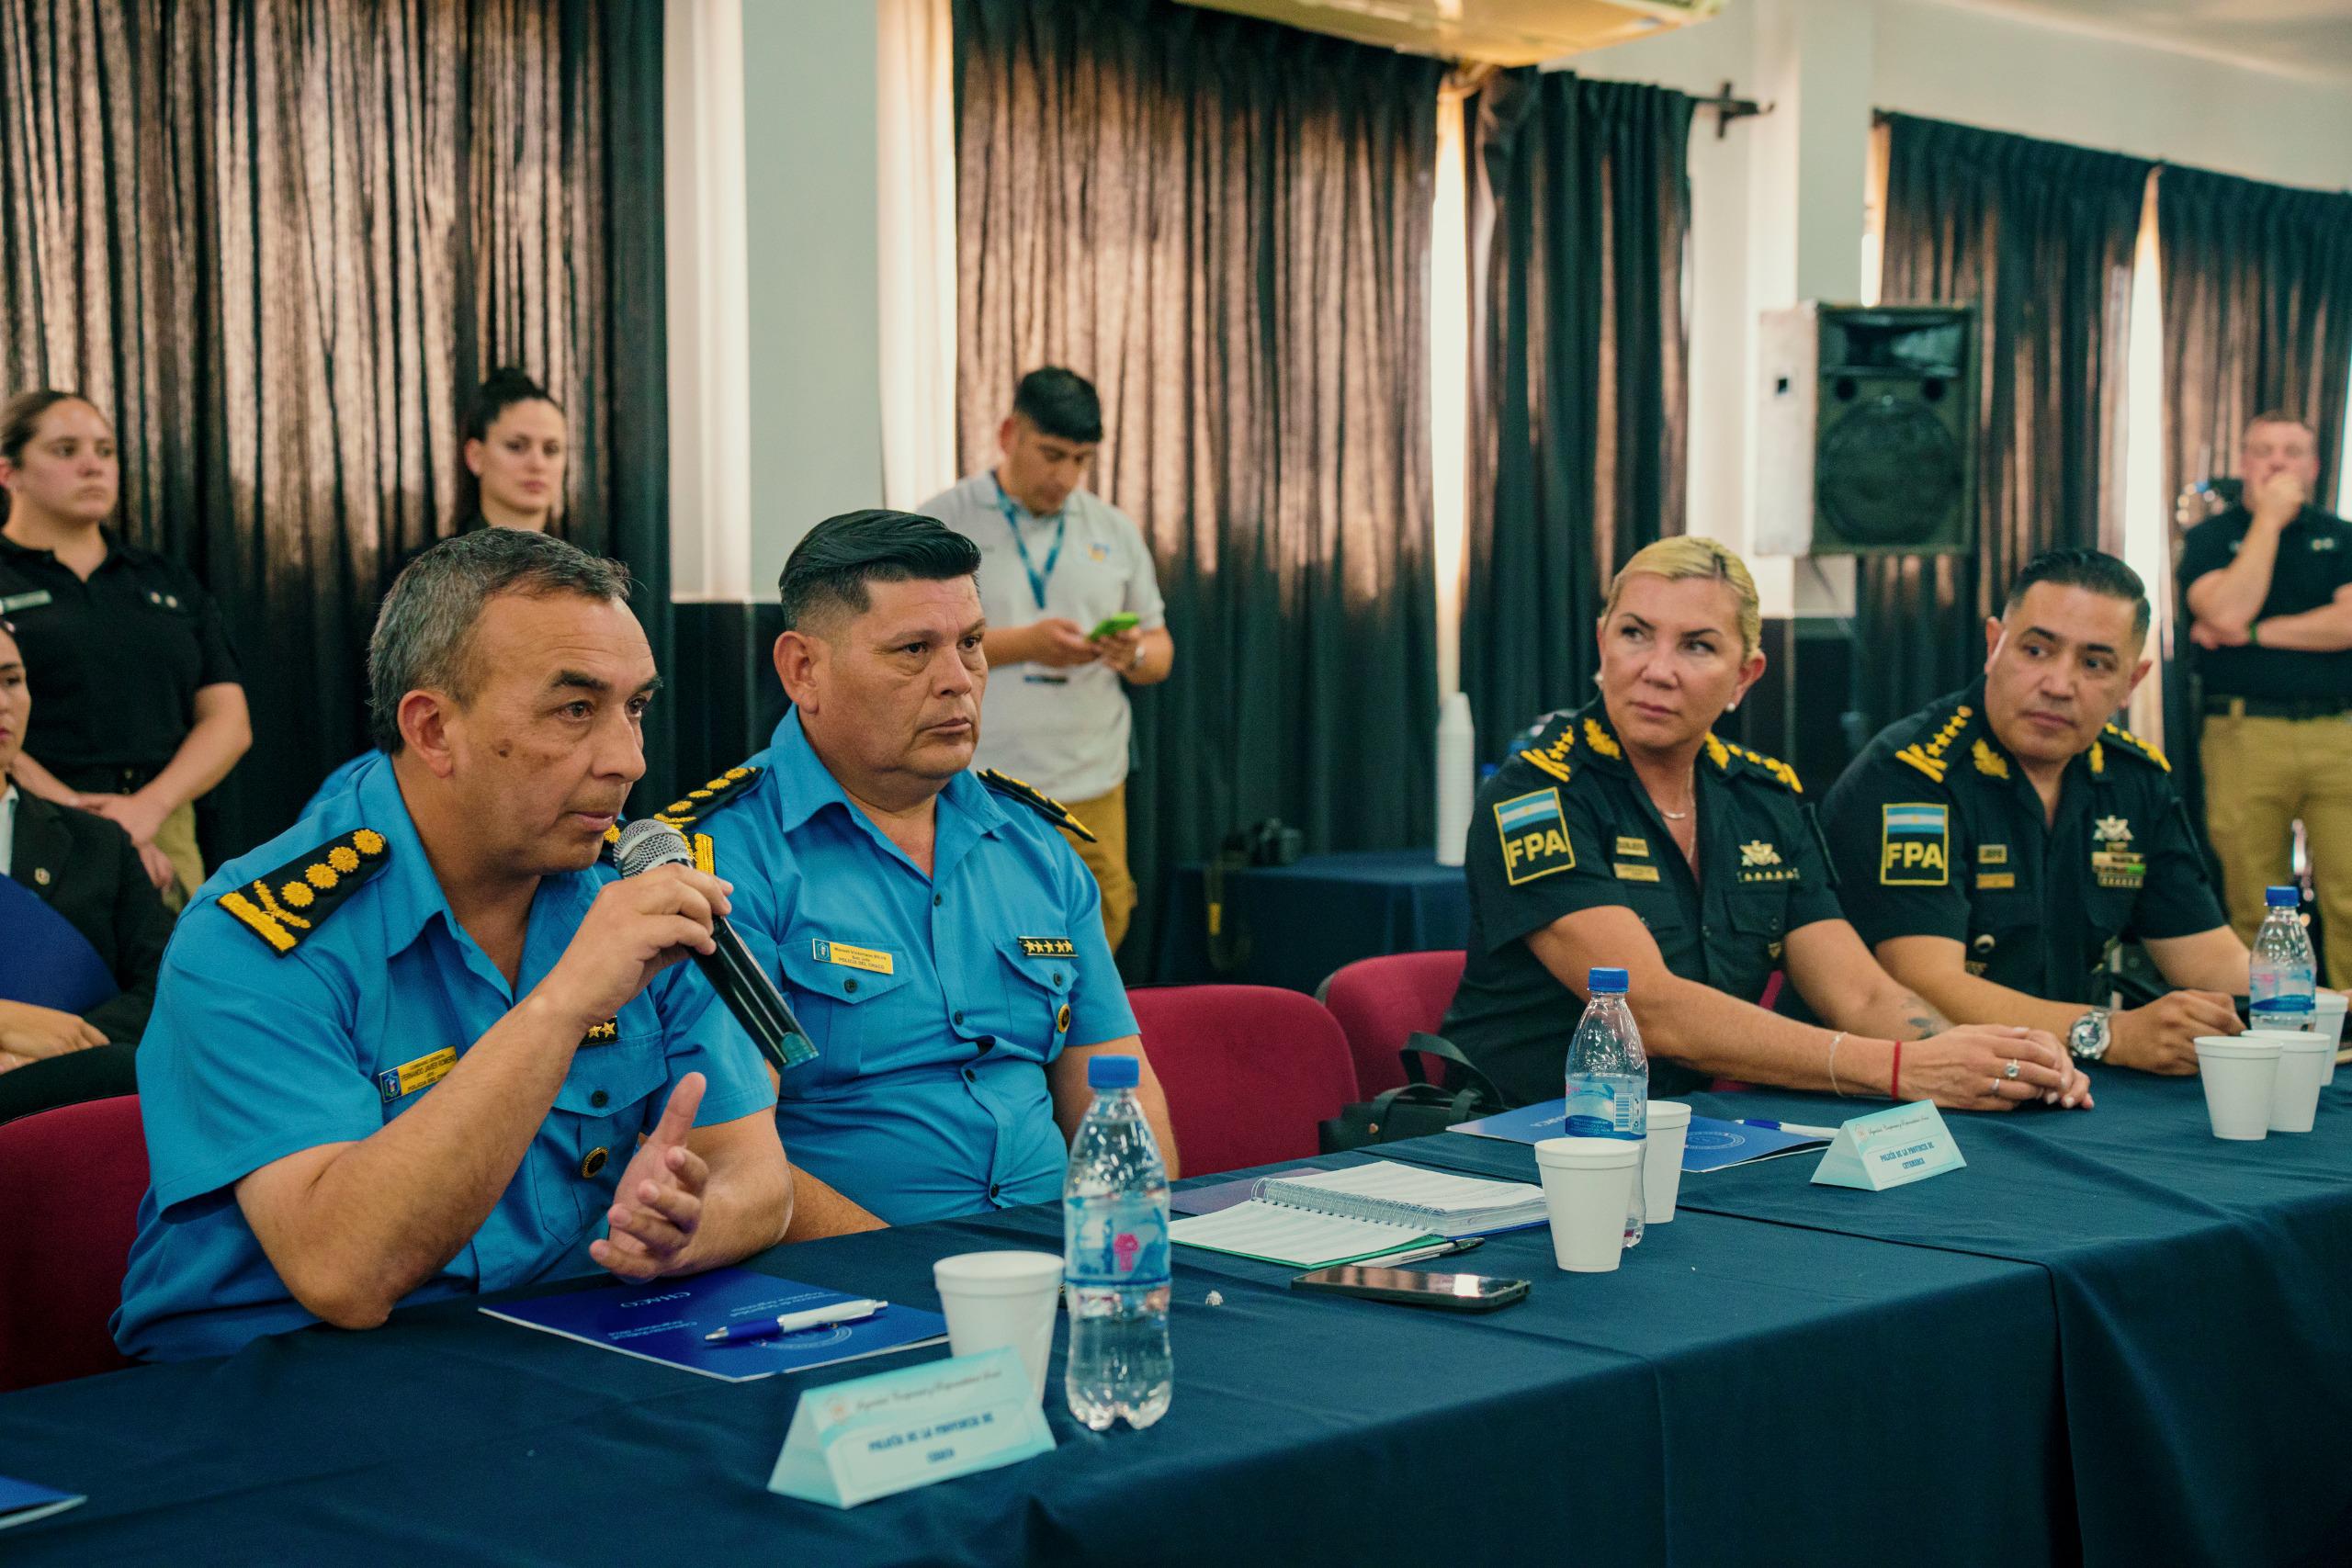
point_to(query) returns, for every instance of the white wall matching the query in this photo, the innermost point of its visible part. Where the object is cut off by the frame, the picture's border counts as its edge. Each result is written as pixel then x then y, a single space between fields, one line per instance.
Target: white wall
pixel 1769 207
pixel 809 173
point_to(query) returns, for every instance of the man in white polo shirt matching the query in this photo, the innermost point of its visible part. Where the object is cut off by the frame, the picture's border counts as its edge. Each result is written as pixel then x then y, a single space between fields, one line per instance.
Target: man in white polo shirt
pixel 1057 562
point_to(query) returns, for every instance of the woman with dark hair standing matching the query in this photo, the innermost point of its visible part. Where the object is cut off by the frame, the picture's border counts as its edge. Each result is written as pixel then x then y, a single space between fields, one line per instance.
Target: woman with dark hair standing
pixel 514 456
pixel 141 710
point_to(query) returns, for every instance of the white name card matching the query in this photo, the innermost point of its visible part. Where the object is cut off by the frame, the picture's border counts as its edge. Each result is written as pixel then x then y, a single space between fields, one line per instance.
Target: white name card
pixel 851 1442
pixel 1890 1148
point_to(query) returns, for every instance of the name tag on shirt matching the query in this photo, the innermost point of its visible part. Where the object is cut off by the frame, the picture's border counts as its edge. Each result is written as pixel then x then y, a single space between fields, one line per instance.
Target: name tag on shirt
pixel 395 1083
pixel 32 601
pixel 872 960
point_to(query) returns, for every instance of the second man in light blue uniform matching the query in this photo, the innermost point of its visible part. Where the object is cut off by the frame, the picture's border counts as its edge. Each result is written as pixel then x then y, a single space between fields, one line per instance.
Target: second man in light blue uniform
pixel 938 937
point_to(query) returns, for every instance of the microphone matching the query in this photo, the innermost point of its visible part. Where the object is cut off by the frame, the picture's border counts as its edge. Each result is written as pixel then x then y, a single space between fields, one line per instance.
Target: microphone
pixel 738 978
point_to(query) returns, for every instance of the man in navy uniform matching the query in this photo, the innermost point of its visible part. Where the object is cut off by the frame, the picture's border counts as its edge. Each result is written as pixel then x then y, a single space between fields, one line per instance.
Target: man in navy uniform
pixel 934 931
pixel 1992 847
pixel 408 1054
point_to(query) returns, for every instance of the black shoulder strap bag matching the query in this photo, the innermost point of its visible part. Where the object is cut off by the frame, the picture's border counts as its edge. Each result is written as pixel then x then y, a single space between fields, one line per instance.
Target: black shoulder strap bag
pixel 1419 1107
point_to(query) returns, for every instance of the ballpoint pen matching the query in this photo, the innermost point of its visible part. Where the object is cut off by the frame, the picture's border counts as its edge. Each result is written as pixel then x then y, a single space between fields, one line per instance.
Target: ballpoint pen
pixel 1460 1243
pixel 1798 1128
pixel 794 1322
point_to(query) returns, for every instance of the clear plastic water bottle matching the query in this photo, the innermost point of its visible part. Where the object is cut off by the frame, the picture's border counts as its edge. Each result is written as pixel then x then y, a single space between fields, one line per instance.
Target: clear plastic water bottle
pixel 1609 1077
pixel 1114 1234
pixel 2283 974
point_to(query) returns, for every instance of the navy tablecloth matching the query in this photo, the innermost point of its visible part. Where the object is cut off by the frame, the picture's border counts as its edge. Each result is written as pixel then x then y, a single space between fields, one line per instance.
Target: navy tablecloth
pixel 1303 921
pixel 1742 1391
pixel 2201 1292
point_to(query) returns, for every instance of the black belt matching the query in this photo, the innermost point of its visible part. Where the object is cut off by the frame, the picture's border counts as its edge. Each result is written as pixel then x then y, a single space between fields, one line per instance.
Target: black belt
pixel 99 779
pixel 2277 708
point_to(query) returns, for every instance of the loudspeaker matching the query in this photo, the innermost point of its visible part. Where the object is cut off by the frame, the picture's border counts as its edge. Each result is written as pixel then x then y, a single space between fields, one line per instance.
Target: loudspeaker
pixel 1866 436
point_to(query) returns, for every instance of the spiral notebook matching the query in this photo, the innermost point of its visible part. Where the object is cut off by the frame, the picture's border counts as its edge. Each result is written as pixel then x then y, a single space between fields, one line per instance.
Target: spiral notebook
pixel 1341 1216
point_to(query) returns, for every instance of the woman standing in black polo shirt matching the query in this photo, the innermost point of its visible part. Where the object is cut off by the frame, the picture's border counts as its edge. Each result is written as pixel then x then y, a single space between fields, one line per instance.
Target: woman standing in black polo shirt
pixel 141 710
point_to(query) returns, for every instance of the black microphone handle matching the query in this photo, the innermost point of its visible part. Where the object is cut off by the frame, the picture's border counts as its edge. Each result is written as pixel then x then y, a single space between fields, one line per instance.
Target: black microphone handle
pixel 749 995
pixel 756 981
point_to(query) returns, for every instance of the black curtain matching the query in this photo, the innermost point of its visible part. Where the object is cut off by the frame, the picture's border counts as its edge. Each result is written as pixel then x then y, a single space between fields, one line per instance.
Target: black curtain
pixel 281 243
pixel 1224 224
pixel 1579 212
pixel 2038 236
pixel 2257 305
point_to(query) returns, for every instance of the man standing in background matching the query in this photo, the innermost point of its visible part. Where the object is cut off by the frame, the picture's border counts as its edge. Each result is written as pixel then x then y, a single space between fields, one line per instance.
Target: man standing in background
pixel 1058 564
pixel 2269 584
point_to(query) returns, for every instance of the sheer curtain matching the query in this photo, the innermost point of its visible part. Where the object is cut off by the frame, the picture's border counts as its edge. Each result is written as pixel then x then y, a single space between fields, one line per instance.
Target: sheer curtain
pixel 279 242
pixel 1224 223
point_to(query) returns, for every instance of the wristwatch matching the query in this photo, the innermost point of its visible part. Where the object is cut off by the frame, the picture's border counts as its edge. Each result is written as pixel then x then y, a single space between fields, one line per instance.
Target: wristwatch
pixel 2088 1039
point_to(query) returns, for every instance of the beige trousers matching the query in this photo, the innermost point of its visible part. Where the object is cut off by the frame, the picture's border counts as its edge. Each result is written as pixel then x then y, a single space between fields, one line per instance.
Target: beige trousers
pixel 2262 775
pixel 1106 817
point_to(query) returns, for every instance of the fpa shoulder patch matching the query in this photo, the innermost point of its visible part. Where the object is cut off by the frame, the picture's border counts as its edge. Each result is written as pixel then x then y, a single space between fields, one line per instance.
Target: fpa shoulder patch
pixel 1915 844
pixel 1036 800
pixel 289 903
pixel 699 802
pixel 1534 835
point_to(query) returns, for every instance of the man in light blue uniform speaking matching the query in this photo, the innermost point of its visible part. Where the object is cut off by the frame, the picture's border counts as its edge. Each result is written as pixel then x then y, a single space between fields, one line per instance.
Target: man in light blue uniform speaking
pixel 936 935
pixel 407 1052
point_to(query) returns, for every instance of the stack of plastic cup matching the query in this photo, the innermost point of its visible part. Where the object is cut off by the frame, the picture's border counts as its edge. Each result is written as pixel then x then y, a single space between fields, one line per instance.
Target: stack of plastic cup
pixel 2294 1093
pixel 2327 1017
pixel 1587 1185
pixel 2240 1073
pixel 1669 1124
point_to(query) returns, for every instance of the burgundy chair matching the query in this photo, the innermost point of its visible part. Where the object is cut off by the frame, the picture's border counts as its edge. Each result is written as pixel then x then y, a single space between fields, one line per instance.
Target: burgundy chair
pixel 1381 1001
pixel 1248 1070
pixel 73 1179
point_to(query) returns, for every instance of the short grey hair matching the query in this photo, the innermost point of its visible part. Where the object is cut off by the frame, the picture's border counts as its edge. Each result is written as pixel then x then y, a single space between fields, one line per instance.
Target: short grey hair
pixel 424 632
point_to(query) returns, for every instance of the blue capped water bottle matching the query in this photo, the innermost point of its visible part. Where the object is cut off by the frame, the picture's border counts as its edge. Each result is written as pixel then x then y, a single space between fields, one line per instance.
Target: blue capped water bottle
pixel 2283 977
pixel 1609 1077
pixel 1114 1234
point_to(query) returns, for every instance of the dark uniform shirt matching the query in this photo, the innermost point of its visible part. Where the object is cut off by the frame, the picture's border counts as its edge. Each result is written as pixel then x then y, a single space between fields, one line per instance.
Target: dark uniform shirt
pixel 1564 825
pixel 115 663
pixel 1937 831
pixel 2314 560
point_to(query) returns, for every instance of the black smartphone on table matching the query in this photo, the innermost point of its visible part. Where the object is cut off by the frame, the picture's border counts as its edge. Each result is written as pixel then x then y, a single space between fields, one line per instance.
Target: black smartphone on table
pixel 1447 1293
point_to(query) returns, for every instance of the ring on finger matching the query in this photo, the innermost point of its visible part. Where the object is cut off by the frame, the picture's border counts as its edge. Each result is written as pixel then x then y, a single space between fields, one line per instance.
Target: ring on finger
pixel 2011 1070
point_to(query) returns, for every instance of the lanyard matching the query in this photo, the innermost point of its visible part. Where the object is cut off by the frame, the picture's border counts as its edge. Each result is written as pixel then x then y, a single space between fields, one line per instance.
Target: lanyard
pixel 1037 579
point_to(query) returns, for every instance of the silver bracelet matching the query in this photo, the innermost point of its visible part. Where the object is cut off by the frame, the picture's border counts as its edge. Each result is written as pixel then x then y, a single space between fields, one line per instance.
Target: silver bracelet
pixel 1840 1040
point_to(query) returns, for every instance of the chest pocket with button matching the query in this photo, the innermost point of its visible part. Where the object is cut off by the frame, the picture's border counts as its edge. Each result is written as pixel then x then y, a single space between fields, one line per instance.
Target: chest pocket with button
pixel 2004 931
pixel 1759 926
pixel 1033 1003
pixel 610 1099
pixel 838 1005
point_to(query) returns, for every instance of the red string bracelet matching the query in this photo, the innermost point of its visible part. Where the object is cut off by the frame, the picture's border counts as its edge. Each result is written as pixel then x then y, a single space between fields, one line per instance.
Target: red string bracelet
pixel 1894 1074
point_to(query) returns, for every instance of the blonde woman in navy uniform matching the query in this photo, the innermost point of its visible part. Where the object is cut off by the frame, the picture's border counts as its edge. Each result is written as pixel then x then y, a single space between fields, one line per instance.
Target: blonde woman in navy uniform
pixel 1628 835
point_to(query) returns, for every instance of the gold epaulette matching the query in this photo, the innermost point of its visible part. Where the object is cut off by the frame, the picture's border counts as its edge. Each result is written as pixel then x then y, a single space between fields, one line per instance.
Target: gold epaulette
pixel 2129 745
pixel 289 903
pixel 1721 752
pixel 1043 805
pixel 699 802
pixel 1929 757
pixel 1552 759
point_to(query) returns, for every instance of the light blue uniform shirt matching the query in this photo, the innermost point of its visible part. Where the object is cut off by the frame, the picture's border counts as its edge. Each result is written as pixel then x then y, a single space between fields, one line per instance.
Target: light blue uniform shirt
pixel 934 1002
pixel 254 1054
pixel 337 782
